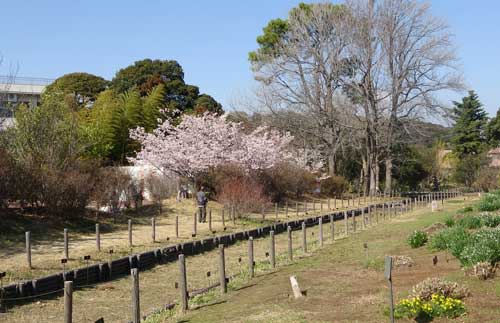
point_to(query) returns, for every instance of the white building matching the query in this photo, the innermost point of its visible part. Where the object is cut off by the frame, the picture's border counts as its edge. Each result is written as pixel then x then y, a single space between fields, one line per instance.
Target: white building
pixel 18 90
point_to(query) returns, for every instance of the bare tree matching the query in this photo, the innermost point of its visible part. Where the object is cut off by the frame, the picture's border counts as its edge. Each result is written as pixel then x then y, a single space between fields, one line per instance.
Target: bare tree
pixel 303 73
pixel 420 61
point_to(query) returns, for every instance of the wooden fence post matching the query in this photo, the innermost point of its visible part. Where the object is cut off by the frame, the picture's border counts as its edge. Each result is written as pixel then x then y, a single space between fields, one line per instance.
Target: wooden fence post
pixel 353 214
pixel 130 233
pixel 66 244
pixel 304 237
pixel 234 215
pixel 97 237
pixel 320 234
pixel 210 220
pixel 153 229
pixel 297 209
pixel 272 252
pixel 286 209
pixel 28 248
pixel 195 224
pixel 363 224
pixel 223 220
pixel 290 246
pixel 250 257
pixel 177 226
pixel 276 211
pixel 183 284
pixel 136 307
pixel 332 227
pixel 346 224
pixel 222 269
pixel 68 302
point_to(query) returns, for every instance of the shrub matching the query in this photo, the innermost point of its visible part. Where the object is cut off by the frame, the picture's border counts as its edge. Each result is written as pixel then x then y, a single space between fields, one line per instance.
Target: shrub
pixel 450 221
pixel 431 298
pixel 490 202
pixel 483 246
pixel 417 239
pixel 244 194
pixel 468 209
pixel 430 286
pixel 454 239
pixel 490 220
pixel 470 222
pixel 334 185
pixel 437 306
pixel 484 270
pixel 285 180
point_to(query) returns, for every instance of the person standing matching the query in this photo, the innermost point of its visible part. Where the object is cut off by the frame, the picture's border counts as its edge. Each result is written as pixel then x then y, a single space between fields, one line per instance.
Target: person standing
pixel 202 205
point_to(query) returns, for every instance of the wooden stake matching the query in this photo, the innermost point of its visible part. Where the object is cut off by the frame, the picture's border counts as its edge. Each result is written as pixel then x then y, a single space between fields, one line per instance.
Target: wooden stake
pixel 272 252
pixel 68 302
pixel 136 308
pixel 222 269
pixel 290 250
pixel 250 257
pixel 28 248
pixel 183 284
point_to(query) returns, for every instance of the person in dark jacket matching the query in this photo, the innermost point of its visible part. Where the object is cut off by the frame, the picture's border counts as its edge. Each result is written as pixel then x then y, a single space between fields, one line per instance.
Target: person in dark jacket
pixel 202 205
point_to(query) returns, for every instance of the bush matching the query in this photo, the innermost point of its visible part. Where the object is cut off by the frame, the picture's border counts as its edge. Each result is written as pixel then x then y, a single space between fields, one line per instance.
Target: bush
pixel 450 221
pixel 430 286
pixel 490 220
pixel 286 180
pixel 483 246
pixel 334 186
pixel 417 239
pixel 431 298
pixel 490 202
pixel 454 239
pixel 244 194
pixel 470 222
pixel 438 306
pixel 468 209
pixel 484 270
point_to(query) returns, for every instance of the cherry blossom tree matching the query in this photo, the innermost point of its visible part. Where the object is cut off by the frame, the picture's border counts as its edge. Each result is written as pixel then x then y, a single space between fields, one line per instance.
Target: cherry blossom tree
pixel 201 143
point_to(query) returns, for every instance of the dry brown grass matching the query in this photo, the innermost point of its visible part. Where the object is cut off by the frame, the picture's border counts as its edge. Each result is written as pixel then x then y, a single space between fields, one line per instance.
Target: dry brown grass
pixel 47 251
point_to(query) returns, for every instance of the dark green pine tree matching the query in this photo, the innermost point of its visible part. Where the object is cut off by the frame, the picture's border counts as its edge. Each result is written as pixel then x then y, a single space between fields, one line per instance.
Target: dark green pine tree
pixel 493 131
pixel 469 135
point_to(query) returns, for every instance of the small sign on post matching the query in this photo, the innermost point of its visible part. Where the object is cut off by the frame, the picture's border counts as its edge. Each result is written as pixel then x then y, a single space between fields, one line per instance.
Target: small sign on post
pixel 388 276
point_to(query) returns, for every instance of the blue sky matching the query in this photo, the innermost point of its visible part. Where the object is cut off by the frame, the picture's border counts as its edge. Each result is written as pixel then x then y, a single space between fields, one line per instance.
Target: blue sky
pixel 210 39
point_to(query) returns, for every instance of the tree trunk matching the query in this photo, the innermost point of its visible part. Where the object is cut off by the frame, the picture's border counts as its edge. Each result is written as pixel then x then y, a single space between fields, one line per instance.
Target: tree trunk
pixel 388 174
pixel 331 163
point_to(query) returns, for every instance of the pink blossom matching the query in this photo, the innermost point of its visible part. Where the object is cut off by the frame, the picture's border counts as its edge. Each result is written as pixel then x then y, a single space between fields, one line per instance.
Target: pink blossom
pixel 201 143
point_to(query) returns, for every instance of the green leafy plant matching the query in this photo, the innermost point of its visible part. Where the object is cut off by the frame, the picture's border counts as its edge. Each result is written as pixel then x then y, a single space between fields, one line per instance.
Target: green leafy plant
pixel 454 239
pixel 468 209
pixel 490 202
pixel 470 222
pixel 417 239
pixel 490 220
pixel 450 221
pixel 483 246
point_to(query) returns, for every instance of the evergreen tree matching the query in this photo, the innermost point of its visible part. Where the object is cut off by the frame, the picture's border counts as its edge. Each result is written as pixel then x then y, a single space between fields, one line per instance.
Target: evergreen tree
pixel 470 125
pixel 493 131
